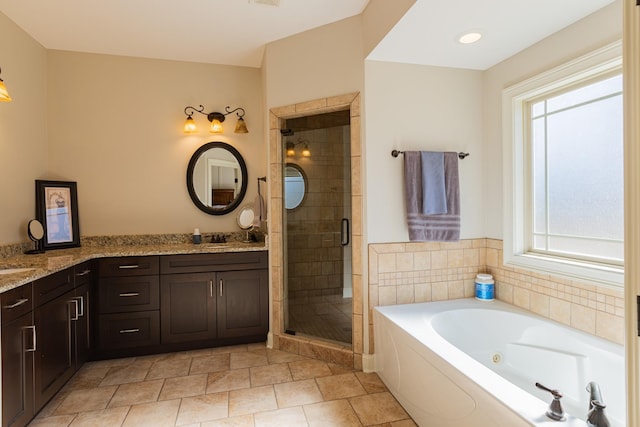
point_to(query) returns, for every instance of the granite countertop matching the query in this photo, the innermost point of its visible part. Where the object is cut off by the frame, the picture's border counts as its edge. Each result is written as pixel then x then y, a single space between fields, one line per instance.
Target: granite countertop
pixel 41 265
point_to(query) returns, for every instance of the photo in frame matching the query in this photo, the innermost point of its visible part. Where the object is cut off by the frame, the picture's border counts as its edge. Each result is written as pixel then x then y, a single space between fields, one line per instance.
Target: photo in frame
pixel 57 210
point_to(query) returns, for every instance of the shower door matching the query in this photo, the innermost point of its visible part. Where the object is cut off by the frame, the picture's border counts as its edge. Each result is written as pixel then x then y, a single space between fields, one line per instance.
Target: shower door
pixel 317 218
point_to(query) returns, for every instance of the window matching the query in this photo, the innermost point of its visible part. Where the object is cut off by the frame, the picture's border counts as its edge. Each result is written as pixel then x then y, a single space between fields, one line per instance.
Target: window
pixel 564 170
pixel 577 182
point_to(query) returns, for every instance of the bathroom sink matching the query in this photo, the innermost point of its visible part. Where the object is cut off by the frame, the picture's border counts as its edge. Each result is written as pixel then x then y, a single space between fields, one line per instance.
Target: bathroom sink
pixel 14 270
pixel 215 246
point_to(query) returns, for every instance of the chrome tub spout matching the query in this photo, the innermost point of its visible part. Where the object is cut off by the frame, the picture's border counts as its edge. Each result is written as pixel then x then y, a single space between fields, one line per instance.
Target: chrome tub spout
pixel 596 416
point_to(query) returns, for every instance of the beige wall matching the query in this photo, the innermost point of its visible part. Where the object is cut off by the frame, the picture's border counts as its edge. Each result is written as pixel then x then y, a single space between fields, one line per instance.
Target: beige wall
pixel 23 129
pixel 116 128
pixel 596 30
pixel 379 17
pixel 414 107
pixel 325 61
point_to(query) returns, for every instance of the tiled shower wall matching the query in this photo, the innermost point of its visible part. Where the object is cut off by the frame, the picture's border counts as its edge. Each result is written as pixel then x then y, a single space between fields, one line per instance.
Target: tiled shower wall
pixel 403 273
pixel 315 253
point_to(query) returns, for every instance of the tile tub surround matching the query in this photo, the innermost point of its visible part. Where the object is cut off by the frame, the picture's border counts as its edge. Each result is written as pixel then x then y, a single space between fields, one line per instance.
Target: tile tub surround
pixel 404 273
pixel 245 385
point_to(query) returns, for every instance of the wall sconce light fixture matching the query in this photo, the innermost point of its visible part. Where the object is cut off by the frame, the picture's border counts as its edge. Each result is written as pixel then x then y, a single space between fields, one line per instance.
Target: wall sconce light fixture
pixel 4 93
pixel 215 118
pixel 291 148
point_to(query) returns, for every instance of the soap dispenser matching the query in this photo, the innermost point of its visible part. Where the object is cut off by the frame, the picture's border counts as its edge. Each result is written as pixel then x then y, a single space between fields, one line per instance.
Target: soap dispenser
pixel 197 237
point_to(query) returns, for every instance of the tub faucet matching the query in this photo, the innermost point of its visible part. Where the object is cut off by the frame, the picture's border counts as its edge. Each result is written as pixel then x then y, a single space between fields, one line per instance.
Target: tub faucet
pixel 596 416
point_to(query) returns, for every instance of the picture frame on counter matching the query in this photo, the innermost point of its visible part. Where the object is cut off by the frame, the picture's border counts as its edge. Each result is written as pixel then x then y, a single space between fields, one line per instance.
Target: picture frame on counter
pixel 57 210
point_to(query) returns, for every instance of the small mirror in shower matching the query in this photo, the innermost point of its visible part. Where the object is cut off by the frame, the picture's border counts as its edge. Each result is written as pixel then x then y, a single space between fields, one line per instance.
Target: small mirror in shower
pixel 295 185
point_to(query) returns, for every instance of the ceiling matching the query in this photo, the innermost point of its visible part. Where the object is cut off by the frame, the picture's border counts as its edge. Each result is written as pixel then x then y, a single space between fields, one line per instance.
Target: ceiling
pixel 428 34
pixel 234 32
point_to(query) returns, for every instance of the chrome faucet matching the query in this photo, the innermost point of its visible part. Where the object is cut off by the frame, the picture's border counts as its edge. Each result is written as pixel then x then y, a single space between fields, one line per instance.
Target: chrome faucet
pixel 596 416
pixel 555 411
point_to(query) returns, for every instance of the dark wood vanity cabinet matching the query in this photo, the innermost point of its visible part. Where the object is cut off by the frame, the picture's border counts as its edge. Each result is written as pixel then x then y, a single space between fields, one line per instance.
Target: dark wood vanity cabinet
pixel 129 303
pixel 18 341
pixel 163 303
pixel 55 311
pixel 222 296
pixel 207 306
pixel 45 340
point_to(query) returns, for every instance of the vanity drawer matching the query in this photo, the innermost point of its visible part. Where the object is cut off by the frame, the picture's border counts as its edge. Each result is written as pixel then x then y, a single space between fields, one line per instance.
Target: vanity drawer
pixel 128 294
pixel 129 330
pixel 50 287
pixel 128 266
pixel 84 273
pixel 16 302
pixel 197 263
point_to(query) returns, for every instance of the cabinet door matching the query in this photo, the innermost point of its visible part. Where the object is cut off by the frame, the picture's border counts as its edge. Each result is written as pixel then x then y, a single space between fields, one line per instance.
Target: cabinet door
pixel 243 303
pixel 188 309
pixel 81 327
pixel 53 356
pixel 17 371
pixel 84 275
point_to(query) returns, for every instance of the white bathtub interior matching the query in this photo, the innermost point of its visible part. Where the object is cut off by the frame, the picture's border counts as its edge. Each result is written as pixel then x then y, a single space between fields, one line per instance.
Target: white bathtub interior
pixel 462 361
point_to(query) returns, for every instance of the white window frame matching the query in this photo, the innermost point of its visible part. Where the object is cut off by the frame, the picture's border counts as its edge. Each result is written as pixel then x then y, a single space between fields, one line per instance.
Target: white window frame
pixel 515 169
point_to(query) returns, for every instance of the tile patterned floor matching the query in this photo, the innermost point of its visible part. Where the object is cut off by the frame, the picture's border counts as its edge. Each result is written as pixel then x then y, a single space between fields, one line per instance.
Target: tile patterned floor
pixel 246 385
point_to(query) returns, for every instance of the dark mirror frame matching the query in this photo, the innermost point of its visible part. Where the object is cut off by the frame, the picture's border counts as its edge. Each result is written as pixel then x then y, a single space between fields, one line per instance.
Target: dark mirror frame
pixel 190 187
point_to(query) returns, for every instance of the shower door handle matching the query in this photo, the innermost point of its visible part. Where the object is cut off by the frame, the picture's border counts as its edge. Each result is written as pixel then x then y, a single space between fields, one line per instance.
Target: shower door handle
pixel 344 232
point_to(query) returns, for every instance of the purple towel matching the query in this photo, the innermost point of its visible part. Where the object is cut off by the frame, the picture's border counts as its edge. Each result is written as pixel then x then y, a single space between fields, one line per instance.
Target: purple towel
pixel 441 227
pixel 434 194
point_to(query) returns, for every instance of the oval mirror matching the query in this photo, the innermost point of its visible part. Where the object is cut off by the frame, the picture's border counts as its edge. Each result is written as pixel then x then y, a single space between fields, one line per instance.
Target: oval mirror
pixel 245 218
pixel 35 230
pixel 295 186
pixel 217 178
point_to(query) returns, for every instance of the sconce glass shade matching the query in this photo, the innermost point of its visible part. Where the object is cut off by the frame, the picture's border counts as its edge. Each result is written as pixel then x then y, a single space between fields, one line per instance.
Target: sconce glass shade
pixel 241 126
pixel 216 126
pixel 4 93
pixel 291 149
pixel 305 151
pixel 190 125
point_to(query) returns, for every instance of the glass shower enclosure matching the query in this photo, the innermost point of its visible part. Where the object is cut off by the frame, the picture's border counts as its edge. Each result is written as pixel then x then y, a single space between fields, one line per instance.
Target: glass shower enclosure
pixel 317 216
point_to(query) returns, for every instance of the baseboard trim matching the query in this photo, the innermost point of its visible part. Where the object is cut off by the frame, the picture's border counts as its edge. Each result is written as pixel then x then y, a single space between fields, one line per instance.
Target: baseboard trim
pixel 368 362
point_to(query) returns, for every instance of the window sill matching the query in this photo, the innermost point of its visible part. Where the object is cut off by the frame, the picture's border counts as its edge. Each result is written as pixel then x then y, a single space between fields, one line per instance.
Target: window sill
pixel 589 272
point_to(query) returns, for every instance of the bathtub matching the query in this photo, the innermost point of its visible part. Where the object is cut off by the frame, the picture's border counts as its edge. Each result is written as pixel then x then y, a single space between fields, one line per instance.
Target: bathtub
pixel 470 363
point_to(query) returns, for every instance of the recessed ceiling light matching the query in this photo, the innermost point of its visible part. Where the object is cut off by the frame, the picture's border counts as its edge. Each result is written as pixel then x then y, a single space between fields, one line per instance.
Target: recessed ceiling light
pixel 470 37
